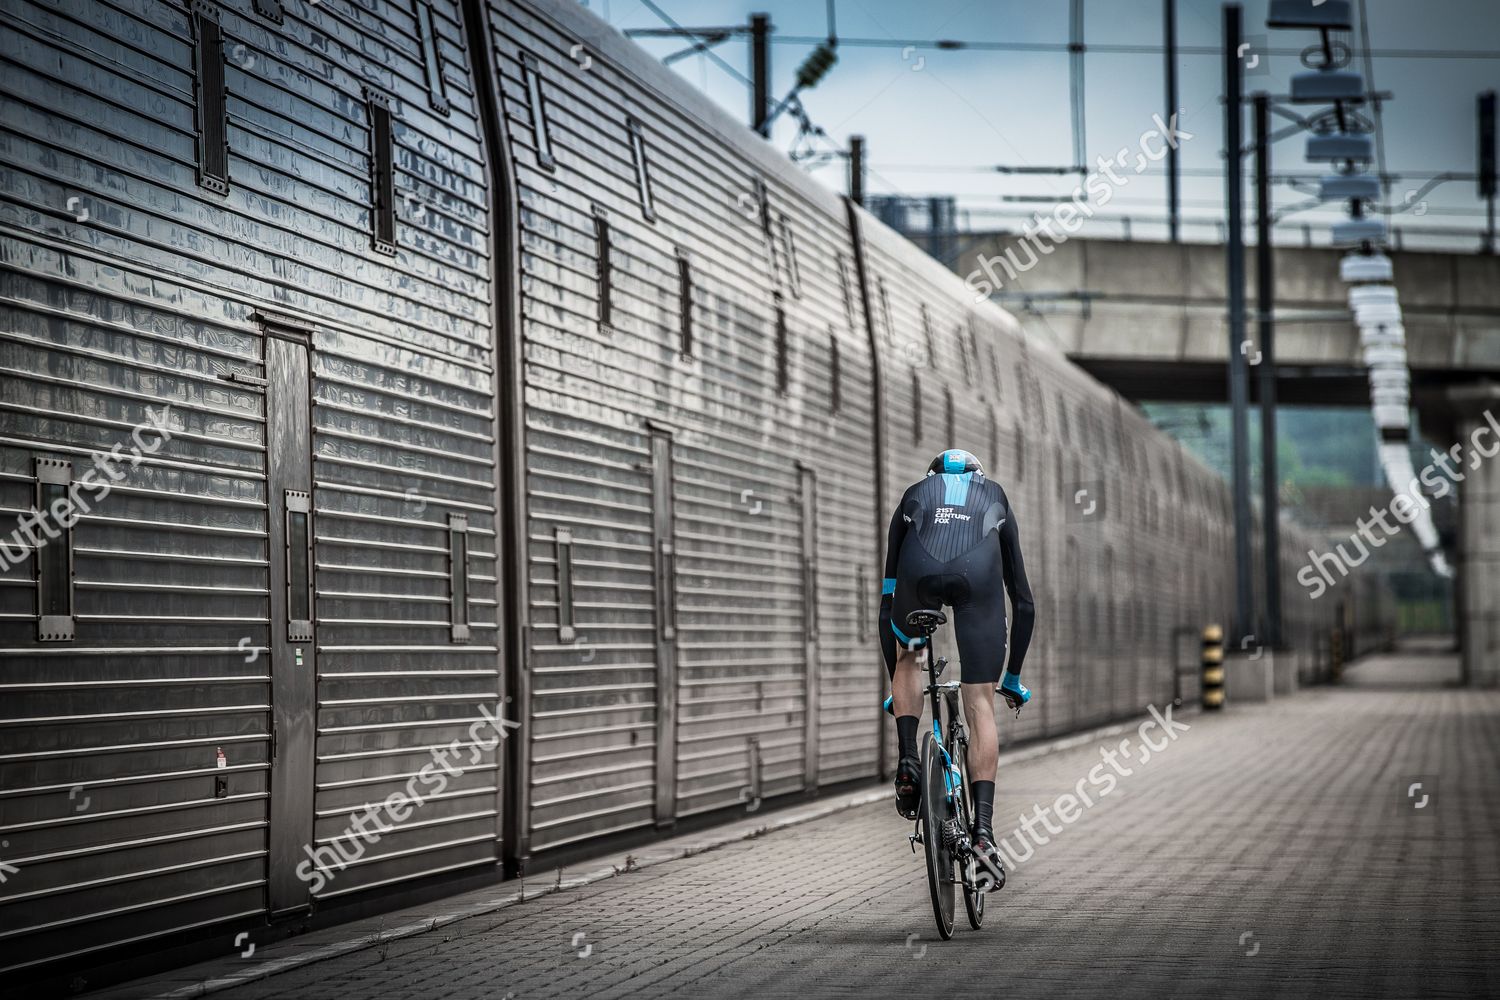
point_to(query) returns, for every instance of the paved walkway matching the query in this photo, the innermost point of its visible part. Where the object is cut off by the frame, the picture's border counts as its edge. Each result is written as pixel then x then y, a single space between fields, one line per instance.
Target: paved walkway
pixel 1281 850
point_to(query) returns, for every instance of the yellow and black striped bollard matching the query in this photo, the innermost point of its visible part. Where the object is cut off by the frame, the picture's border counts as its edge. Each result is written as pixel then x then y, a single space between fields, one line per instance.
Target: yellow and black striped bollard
pixel 1213 667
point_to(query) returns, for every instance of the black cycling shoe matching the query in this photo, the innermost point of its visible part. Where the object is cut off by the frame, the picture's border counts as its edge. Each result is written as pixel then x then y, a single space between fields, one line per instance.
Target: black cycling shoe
pixel 908 786
pixel 989 869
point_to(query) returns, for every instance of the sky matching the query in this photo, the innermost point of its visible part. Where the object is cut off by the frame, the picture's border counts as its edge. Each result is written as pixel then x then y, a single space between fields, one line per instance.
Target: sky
pixel 932 116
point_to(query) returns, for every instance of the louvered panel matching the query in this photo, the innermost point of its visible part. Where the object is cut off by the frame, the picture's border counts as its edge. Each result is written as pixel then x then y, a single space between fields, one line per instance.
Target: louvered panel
pixel 110 739
pixel 132 278
pixel 741 667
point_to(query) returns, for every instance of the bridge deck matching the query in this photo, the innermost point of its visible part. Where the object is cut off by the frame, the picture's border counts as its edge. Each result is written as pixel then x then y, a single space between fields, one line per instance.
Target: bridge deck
pixel 1270 850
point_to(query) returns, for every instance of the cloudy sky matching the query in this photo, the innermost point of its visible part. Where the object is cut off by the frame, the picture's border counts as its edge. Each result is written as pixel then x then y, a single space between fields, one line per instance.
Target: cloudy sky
pixel 935 119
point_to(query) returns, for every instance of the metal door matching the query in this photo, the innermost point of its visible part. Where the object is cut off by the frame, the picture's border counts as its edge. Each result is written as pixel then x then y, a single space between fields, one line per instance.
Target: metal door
pixel 666 628
pixel 808 496
pixel 293 712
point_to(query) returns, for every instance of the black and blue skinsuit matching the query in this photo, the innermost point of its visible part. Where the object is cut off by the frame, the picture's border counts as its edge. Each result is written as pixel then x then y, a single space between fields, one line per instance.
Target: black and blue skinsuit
pixel 953 540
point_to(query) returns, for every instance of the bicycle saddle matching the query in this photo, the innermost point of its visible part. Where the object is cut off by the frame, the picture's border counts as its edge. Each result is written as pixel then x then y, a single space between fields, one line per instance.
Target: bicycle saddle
pixel 924 622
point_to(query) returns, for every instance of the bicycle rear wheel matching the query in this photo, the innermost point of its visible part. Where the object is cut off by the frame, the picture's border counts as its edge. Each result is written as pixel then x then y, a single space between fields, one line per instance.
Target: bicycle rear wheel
pixel 936 811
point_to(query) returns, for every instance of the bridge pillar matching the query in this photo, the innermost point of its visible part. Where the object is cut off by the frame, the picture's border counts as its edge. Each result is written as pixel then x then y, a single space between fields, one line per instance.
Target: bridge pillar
pixel 1478 544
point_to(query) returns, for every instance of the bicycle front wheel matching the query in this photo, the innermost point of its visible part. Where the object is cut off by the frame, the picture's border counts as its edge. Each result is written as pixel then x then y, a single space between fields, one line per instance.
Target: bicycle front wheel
pixel 937 831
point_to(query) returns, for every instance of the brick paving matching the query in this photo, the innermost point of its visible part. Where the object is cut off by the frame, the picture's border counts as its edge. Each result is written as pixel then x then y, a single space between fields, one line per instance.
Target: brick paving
pixel 1271 850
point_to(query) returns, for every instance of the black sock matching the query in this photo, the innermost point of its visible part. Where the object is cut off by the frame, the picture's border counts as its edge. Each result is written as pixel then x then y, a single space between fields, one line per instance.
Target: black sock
pixel 906 732
pixel 984 803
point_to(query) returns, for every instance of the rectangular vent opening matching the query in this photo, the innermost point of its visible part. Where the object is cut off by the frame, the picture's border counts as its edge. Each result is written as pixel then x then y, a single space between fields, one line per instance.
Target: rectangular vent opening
pixel 927 340
pixel 642 169
pixel 299 563
pixel 606 277
pixel 541 130
pixel 783 367
pixel 973 372
pixel 789 252
pixel 684 305
pixel 458 576
pixel 382 173
pixel 835 372
pixel 437 89
pixel 562 540
pixel 916 408
pixel 212 109
pixel 885 310
pixel 52 557
pixel 845 290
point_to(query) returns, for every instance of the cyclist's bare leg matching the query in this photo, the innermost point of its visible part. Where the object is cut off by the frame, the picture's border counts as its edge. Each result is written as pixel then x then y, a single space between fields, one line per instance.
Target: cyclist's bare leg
pixel 906 686
pixel 984 756
pixel 906 698
pixel 984 744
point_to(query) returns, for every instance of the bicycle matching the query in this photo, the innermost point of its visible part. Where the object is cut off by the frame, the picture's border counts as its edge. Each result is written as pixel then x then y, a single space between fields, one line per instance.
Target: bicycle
pixel 945 813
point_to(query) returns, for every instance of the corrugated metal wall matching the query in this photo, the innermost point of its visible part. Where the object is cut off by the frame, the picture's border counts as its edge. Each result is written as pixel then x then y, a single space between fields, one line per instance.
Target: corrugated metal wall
pixel 131 282
pixel 1125 534
pixel 276 221
pixel 701 682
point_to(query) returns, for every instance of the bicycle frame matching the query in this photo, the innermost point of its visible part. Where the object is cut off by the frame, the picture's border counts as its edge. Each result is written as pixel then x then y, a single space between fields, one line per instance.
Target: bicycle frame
pixel 943 821
pixel 946 693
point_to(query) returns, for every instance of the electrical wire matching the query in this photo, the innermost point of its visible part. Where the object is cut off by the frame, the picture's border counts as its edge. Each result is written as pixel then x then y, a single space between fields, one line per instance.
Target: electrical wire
pixel 718 61
pixel 952 45
pixel 937 168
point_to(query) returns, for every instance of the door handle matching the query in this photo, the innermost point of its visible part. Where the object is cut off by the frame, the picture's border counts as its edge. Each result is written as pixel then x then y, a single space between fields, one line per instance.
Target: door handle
pixel 243 378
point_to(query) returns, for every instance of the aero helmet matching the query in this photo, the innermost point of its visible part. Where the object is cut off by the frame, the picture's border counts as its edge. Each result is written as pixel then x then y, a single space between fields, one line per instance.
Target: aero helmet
pixel 955 460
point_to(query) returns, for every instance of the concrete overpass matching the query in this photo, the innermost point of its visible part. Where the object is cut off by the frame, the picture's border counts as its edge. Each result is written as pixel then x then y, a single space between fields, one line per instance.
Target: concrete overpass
pixel 1123 309
pixel 1150 319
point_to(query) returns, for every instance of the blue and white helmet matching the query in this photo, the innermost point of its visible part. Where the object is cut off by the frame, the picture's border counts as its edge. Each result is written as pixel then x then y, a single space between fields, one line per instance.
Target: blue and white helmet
pixel 955 460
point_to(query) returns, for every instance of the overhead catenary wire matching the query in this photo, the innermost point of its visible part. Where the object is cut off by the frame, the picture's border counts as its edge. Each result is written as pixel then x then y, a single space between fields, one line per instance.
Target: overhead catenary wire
pixel 717 59
pixel 813 147
pixel 982 168
pixel 955 45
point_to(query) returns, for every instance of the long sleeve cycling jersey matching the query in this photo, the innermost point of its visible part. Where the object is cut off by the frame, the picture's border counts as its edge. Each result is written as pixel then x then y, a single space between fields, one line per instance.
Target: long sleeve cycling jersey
pixel 953 540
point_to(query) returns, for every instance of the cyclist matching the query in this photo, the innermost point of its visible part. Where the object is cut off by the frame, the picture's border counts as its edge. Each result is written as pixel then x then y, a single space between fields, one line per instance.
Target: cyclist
pixel 953 540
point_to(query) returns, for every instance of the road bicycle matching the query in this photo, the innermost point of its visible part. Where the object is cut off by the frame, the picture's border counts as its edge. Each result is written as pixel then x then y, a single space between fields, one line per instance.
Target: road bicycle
pixel 945 814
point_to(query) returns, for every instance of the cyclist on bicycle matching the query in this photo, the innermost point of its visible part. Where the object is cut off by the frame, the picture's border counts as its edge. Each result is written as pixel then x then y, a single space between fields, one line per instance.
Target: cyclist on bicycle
pixel 953 540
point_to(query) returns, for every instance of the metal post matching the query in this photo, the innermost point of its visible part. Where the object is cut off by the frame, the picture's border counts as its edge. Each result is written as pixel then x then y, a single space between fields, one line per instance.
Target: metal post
pixel 1239 386
pixel 857 169
pixel 1211 687
pixel 760 73
pixel 1487 171
pixel 1169 8
pixel 1265 306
